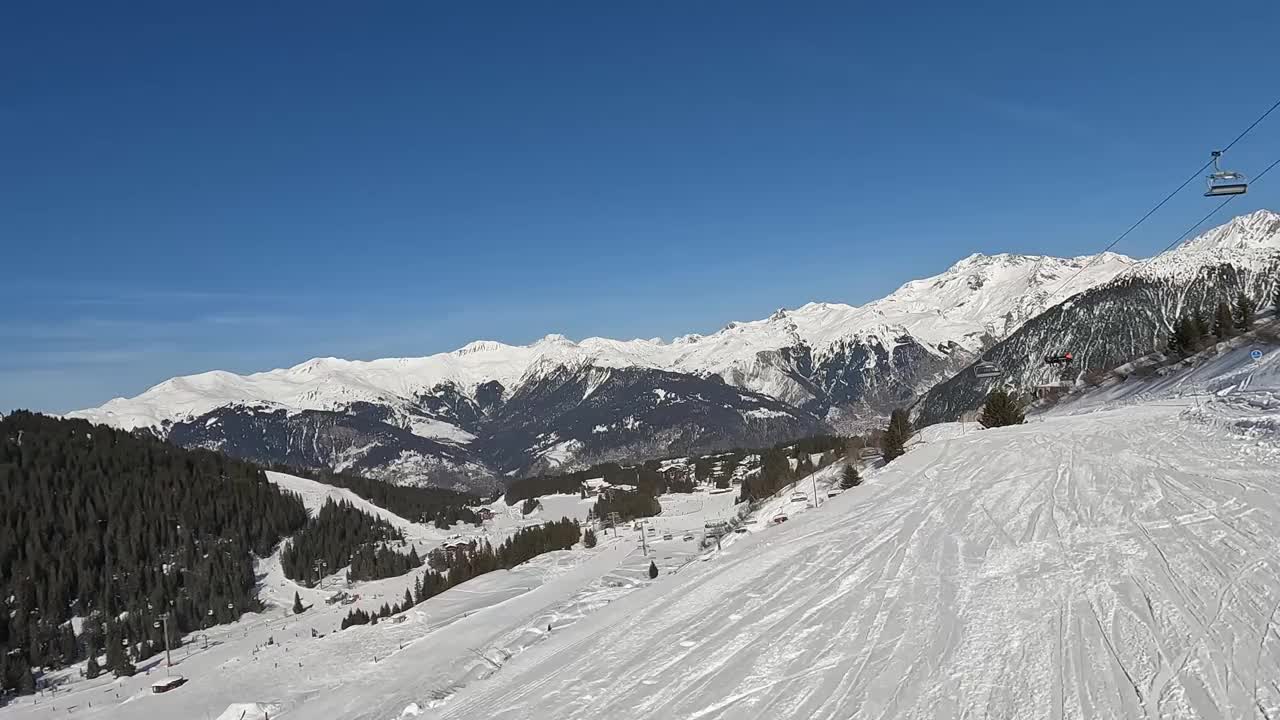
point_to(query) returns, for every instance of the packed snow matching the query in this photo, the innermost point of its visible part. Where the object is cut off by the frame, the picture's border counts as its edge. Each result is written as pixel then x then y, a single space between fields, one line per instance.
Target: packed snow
pixel 1118 563
pixel 1113 557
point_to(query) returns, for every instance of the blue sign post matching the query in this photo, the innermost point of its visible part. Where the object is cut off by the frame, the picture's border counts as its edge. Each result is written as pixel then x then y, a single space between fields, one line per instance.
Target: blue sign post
pixel 1255 354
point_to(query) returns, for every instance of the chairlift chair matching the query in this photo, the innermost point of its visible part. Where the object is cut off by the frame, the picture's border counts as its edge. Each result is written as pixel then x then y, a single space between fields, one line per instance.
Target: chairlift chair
pixel 1065 358
pixel 987 370
pixel 1225 182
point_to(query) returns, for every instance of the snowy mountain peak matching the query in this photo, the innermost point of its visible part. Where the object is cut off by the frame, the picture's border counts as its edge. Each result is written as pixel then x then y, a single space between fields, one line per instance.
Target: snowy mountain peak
pixel 481 346
pixel 555 339
pixel 1258 230
pixel 980 298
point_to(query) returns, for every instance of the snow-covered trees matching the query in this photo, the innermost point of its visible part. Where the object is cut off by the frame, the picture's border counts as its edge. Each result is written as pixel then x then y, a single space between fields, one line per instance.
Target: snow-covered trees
pixel 589 538
pixel 1001 409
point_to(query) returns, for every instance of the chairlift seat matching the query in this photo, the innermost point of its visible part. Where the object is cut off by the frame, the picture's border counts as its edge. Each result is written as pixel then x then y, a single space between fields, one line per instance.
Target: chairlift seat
pixel 1230 188
pixel 1225 182
pixel 987 370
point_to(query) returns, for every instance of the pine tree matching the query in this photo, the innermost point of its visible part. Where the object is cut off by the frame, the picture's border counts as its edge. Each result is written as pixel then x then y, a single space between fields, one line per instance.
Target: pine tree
pixel 1200 328
pixel 589 538
pixel 91 669
pixel 653 570
pixel 849 477
pixel 1245 312
pixel 1223 322
pixel 124 668
pixel 298 609
pixel 408 600
pixel 804 465
pixel 1001 409
pixel 27 682
pixel 1186 336
pixel 893 441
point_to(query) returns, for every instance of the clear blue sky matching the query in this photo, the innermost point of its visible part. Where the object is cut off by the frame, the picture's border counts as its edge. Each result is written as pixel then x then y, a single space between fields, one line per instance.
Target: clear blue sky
pixel 244 187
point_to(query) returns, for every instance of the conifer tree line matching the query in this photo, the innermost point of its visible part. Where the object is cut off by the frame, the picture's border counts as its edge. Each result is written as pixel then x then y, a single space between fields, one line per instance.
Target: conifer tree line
pixel 116 529
pixel 775 473
pixel 476 559
pixel 341 535
pixel 628 504
pixel 1193 333
pixel 646 477
pixel 419 504
pixel 376 563
pixel 649 479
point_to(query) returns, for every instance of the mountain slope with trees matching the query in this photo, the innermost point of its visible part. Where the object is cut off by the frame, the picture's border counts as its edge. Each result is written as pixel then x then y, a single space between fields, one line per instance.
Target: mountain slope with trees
pixel 1178 294
pixel 115 529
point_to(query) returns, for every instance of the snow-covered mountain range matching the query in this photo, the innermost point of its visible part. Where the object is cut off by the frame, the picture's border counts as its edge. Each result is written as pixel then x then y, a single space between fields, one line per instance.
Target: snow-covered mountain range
pixel 1130 315
pixel 490 409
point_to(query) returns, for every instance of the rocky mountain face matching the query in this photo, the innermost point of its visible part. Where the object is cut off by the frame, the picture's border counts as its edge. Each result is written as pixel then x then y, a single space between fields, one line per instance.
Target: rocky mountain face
pixel 1131 315
pixel 489 410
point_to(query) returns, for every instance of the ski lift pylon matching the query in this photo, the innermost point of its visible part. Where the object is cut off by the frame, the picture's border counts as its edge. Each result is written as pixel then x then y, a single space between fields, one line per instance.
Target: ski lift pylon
pixel 1225 182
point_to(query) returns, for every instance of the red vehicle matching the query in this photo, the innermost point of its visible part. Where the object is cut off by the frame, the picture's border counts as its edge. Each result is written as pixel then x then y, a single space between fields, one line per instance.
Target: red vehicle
pixel 1065 358
pixel 779 518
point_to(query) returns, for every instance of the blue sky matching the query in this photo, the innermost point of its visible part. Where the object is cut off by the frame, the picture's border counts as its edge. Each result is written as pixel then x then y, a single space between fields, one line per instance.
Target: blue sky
pixel 243 188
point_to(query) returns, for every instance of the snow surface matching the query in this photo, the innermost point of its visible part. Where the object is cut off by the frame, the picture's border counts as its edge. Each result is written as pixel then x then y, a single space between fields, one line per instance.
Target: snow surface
pixel 1116 564
pixel 1113 557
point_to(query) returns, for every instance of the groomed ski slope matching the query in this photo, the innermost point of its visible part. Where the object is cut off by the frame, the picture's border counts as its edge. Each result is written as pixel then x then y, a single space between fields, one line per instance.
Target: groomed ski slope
pixel 1121 563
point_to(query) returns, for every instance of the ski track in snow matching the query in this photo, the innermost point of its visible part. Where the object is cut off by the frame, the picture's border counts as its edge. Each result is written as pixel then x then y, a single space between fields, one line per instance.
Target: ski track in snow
pixel 1114 557
pixel 1117 564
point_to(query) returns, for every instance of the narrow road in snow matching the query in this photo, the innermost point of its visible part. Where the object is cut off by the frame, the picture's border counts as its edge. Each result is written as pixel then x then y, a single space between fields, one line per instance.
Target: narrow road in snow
pixel 1116 564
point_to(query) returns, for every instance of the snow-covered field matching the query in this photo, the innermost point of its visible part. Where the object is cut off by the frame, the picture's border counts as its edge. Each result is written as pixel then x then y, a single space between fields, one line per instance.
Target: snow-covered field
pixel 1114 557
pixel 1122 563
pixel 271 664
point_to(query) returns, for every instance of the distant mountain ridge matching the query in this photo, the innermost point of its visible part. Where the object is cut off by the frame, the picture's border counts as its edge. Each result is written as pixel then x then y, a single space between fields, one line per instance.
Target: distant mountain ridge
pixel 1128 316
pixel 491 409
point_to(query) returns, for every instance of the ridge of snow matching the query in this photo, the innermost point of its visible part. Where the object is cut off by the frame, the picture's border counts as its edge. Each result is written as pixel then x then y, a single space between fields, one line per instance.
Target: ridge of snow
pixel 1258 230
pixel 978 299
pixel 1250 240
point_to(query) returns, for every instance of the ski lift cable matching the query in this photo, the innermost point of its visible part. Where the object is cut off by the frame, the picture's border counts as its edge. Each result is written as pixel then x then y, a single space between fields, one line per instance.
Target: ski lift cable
pixel 1197 224
pixel 1195 175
